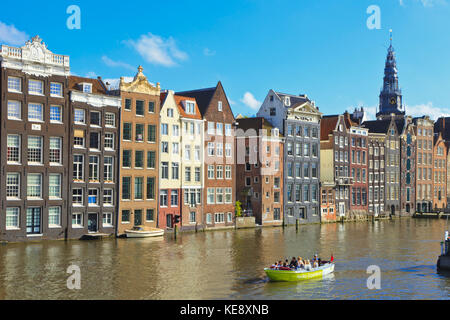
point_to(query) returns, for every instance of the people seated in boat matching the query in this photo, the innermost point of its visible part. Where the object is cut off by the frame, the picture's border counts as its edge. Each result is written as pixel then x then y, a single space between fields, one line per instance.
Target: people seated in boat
pixel 300 263
pixel 293 263
pixel 315 264
pixel 307 265
pixel 274 266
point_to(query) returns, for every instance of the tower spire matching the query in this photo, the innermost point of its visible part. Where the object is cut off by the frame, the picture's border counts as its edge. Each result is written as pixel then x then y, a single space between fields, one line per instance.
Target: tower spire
pixel 391 95
pixel 390 36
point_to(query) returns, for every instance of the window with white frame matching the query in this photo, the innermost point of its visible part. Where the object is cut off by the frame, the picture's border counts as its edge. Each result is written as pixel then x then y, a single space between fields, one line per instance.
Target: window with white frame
pixel 110 119
pixel 211 128
pixel 219 129
pixel 228 129
pixel 175 130
pixel 78 167
pixel 54 217
pixel 219 149
pixel 14 84
pixel 54 186
pixel 208 218
pixel 219 172
pixel 78 142
pixel 228 195
pixel 190 107
pixel 175 148
pixel 77 219
pixel 109 141
pixel 227 149
pixel 219 105
pixel 164 129
pixel 87 87
pixel 93 168
pixel 107 219
pixel 77 196
pixel 56 89
pixel 192 217
pixel 210 195
pixel 210 171
pixel 219 195
pixel 55 150
pixel 93 197
pixel 34 186
pixel 197 153
pixel 187 152
pixel 108 169
pixel 13 148
pixel 229 217
pixel 12 218
pixel 219 217
pixel 56 114
pixel 35 112
pixel 210 148
pixel 14 110
pixel 34 150
pixel 79 116
pixel 227 172
pixel 12 185
pixel 108 197
pixel 35 87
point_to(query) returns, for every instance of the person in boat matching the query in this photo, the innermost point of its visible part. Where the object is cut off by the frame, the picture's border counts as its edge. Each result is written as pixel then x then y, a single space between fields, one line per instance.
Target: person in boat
pixel 293 263
pixel 307 265
pixel 315 264
pixel 301 264
pixel 274 266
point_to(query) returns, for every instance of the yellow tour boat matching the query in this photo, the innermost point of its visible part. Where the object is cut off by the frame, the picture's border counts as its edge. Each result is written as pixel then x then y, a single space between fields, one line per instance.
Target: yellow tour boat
pixel 299 274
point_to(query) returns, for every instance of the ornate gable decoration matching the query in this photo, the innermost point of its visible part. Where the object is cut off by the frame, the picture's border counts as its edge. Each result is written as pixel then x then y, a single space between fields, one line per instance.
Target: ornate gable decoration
pixel 34 58
pixel 140 84
pixel 305 112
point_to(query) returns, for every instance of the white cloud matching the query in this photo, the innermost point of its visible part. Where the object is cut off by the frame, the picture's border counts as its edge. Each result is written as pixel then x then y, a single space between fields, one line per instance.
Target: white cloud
pixel 425 3
pixel 114 82
pixel 91 74
pixel 419 110
pixel 208 52
pixel 156 50
pixel 10 35
pixel 250 101
pixel 111 63
pixel 427 110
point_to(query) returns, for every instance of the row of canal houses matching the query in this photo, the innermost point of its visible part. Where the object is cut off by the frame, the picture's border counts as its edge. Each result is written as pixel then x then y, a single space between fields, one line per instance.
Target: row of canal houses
pixel 82 156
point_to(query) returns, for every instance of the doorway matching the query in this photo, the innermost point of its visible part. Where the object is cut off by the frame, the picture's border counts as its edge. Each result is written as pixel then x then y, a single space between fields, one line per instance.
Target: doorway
pixel 33 220
pixel 92 222
pixel 137 217
pixel 169 221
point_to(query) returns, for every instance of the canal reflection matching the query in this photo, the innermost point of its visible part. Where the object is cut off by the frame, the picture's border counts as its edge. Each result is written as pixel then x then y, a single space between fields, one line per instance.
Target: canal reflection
pixel 229 264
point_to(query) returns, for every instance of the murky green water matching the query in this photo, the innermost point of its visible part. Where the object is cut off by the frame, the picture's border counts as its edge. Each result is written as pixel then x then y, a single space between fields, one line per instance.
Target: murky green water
pixel 229 264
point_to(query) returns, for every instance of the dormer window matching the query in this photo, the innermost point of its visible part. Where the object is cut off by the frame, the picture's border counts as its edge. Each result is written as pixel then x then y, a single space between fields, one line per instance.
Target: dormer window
pixel 275 132
pixel 219 106
pixel 86 87
pixel 287 101
pixel 189 107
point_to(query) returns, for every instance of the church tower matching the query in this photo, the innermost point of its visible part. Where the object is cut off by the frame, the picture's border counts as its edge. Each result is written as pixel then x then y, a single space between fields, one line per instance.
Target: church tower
pixel 390 95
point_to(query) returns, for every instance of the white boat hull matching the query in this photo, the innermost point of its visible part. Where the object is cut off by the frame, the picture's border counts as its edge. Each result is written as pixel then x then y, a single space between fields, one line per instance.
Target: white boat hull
pixel 143 234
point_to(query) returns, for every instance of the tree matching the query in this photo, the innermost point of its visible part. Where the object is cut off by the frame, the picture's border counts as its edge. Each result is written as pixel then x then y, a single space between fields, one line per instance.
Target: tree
pixel 238 209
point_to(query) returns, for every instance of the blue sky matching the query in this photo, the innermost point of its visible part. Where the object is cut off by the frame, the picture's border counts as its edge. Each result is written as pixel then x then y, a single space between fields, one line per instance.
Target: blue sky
pixel 321 48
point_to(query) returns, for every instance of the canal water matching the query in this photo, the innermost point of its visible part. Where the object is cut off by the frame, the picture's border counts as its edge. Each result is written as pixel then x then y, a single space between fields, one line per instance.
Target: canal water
pixel 229 264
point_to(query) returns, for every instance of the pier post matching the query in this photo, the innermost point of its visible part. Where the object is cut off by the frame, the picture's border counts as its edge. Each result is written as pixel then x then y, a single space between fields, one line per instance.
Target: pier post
pixel 175 232
pixel 296 224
